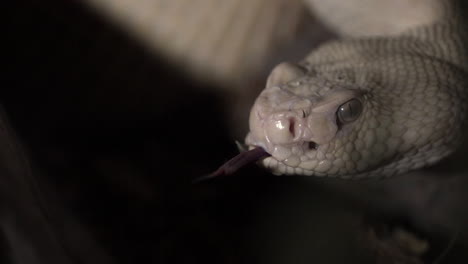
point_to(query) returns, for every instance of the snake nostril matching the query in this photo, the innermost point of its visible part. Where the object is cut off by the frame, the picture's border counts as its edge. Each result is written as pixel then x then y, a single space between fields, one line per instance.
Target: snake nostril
pixel 312 145
pixel 291 127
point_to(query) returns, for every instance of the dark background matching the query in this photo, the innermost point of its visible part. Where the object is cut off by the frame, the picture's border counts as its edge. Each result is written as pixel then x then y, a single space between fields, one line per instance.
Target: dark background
pixel 119 134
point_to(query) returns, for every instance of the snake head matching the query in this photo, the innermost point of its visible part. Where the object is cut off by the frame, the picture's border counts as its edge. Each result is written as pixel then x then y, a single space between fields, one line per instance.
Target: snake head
pixel 303 120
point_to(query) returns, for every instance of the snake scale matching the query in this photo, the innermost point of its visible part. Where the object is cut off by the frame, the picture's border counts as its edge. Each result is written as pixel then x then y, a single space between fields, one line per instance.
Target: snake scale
pixel 386 98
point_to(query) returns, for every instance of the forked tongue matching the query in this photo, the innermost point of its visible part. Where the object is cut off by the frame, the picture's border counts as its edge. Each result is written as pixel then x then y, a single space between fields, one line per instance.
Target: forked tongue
pixel 241 160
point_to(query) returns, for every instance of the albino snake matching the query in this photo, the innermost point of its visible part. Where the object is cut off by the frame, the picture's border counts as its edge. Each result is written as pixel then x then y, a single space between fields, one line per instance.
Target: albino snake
pixel 373 106
pixel 386 98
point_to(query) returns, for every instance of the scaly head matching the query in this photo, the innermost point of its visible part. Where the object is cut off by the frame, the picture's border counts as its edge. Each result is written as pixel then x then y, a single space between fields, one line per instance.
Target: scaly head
pixel 307 123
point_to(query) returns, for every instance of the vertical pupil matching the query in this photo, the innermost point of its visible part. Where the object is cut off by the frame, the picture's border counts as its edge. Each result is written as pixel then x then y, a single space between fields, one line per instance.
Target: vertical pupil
pixel 350 109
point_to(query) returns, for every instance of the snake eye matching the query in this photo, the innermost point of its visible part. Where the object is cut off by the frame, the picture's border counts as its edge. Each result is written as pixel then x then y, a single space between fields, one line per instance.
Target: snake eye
pixel 349 111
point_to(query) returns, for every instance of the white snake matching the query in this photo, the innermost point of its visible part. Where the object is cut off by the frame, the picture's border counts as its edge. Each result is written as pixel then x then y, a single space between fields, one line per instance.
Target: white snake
pixel 387 98
pixel 366 107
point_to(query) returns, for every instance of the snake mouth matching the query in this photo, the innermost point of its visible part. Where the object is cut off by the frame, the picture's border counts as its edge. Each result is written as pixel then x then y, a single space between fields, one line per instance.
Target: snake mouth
pixel 252 155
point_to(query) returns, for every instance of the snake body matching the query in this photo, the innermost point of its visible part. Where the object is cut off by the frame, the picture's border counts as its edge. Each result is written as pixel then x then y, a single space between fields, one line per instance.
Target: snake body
pixel 367 107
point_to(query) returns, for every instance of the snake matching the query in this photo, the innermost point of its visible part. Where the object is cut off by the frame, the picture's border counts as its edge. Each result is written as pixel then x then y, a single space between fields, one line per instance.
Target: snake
pixel 387 97
pixel 365 107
